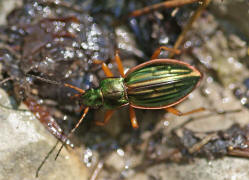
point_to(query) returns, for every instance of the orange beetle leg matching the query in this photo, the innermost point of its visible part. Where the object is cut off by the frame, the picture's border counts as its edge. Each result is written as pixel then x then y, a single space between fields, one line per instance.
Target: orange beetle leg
pixel 119 64
pixel 179 113
pixel 158 51
pixel 133 118
pixel 108 116
pixel 105 68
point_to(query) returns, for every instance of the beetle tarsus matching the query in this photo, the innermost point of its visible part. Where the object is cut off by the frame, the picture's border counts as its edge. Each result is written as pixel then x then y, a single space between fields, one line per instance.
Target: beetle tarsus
pixel 179 113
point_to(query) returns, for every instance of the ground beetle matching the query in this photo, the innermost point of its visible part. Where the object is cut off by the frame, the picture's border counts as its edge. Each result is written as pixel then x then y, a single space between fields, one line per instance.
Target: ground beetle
pixel 156 84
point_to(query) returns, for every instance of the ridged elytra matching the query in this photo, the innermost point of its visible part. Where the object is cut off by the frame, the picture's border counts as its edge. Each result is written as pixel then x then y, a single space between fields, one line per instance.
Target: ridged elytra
pixel 160 83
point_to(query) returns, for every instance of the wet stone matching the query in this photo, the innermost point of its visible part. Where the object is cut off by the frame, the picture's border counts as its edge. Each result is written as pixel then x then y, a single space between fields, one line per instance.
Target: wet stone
pixel 25 143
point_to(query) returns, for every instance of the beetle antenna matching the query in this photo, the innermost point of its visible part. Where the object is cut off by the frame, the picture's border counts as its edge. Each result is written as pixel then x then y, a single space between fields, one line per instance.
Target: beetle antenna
pixel 45 159
pixel 45 80
pixel 73 130
pixel 81 91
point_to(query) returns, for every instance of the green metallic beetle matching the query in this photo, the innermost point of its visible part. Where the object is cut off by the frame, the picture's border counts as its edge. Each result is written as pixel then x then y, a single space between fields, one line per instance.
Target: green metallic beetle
pixel 156 84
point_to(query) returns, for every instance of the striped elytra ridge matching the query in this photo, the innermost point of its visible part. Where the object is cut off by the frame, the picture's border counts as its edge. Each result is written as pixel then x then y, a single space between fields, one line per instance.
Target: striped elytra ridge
pixel 160 83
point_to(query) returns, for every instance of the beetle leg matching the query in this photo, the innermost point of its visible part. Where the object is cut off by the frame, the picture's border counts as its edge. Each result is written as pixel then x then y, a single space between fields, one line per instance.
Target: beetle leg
pixel 179 113
pixel 75 96
pixel 119 64
pixel 79 109
pixel 105 68
pixel 166 4
pixel 133 118
pixel 108 116
pixel 158 51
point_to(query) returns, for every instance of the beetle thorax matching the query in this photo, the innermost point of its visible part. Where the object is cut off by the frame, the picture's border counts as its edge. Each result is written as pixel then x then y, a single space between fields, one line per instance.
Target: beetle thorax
pixel 111 94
